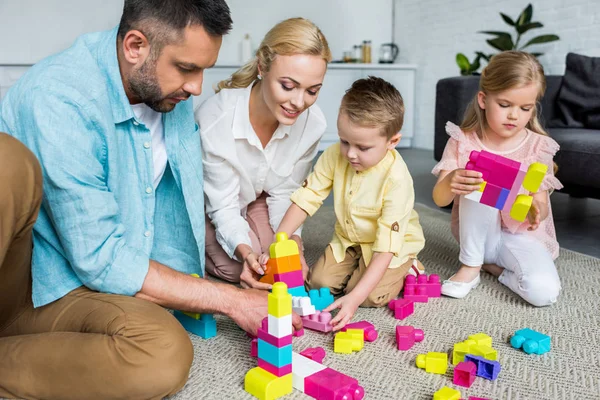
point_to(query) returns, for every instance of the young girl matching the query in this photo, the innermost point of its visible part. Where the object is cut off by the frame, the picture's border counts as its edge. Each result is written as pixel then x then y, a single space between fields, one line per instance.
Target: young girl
pixel 502 119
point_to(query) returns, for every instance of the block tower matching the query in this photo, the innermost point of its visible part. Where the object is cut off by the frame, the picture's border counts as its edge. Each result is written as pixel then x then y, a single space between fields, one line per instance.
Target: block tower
pixel 273 376
pixel 284 265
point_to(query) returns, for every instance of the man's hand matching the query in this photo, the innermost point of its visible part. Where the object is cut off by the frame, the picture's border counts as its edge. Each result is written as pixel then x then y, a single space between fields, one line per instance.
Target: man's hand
pixel 348 305
pixel 534 215
pixel 252 270
pixel 251 307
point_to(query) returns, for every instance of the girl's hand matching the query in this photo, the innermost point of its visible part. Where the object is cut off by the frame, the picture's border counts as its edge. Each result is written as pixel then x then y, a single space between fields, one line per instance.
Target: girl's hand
pixel 348 306
pixel 533 216
pixel 251 273
pixel 464 181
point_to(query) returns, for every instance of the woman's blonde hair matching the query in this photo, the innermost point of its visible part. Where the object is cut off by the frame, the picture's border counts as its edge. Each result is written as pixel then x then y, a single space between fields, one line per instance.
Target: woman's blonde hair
pixel 506 70
pixel 289 37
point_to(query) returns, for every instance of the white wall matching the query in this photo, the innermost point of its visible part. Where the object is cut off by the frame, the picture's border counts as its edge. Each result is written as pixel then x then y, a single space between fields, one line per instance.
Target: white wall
pixel 431 32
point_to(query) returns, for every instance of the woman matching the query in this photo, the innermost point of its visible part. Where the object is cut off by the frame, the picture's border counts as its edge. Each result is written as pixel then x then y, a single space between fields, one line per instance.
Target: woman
pixel 260 133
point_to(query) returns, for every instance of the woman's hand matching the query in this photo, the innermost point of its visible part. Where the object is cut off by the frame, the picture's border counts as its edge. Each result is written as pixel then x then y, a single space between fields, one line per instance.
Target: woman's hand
pixel 348 305
pixel 464 181
pixel 252 270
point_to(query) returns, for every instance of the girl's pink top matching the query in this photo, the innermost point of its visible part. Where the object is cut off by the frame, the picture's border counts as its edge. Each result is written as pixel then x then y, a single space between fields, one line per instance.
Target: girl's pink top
pixel 534 148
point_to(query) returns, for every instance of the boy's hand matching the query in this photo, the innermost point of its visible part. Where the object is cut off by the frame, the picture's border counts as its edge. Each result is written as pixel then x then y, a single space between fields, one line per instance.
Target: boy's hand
pixel 533 216
pixel 251 273
pixel 464 181
pixel 348 305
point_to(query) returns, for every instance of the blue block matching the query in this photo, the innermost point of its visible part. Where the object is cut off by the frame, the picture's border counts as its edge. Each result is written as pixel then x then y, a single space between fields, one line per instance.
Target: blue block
pixel 502 198
pixel 485 368
pixel 277 356
pixel 531 341
pixel 320 298
pixel 298 291
pixel 205 327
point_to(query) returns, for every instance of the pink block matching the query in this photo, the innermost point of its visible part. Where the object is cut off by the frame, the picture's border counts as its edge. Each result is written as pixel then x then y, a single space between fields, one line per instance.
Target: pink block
pixel 514 191
pixel 332 385
pixel 465 373
pixel 490 194
pixel 402 308
pixel 291 279
pixel 298 333
pixel 254 348
pixel 416 293
pixel 318 321
pixel 314 353
pixel 282 371
pixel 477 398
pixel 367 327
pixel 406 336
pixel 504 172
pixel 263 334
pixel 432 284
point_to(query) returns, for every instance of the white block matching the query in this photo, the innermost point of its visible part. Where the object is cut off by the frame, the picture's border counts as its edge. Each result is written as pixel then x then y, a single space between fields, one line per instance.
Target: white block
pixel 475 196
pixel 302 368
pixel 302 306
pixel 280 327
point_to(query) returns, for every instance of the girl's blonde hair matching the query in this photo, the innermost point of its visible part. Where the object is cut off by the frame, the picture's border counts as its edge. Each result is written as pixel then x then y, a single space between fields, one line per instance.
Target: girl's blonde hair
pixel 506 70
pixel 289 37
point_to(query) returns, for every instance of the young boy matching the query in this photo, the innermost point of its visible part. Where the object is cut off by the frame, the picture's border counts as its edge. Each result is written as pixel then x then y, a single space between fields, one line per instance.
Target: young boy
pixel 377 234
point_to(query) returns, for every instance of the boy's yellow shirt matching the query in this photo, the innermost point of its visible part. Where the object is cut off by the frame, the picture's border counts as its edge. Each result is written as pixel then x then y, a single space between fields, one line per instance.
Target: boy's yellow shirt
pixel 374 208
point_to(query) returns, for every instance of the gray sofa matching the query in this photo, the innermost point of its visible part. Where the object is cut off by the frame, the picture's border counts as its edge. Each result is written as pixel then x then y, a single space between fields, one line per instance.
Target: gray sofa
pixel 579 156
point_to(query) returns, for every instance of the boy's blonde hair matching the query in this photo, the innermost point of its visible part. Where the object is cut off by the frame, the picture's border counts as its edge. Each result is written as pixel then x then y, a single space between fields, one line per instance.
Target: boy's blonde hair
pixel 506 70
pixel 374 102
pixel 287 38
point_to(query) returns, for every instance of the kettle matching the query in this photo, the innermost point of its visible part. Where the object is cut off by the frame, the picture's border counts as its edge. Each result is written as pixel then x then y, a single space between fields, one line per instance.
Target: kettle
pixel 388 53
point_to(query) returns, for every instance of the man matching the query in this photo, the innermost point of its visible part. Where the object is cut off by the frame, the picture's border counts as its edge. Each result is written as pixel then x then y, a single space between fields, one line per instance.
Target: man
pixel 121 223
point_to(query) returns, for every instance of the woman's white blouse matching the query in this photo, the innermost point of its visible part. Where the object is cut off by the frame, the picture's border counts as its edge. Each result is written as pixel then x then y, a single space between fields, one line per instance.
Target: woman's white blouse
pixel 237 169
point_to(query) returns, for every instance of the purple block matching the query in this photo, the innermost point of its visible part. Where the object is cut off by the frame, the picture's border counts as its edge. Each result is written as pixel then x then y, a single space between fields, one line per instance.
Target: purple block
pixel 402 307
pixel 291 279
pixel 370 334
pixel 285 370
pixel 490 195
pixel 485 368
pixel 332 385
pixel 502 199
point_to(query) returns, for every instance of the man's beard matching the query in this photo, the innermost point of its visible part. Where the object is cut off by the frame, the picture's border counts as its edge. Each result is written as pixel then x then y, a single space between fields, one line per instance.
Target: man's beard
pixel 144 85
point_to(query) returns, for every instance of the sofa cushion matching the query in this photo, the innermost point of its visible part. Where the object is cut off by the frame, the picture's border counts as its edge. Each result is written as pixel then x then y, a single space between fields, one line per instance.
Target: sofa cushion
pixel 579 96
pixel 578 159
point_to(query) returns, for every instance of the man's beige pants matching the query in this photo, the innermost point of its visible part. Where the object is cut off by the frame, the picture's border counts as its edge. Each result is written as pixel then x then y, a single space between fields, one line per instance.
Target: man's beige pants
pixel 86 345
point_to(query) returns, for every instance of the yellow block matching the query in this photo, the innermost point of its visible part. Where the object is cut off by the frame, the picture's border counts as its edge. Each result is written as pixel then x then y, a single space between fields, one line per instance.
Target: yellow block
pixel 481 339
pixel 279 300
pixel 433 362
pixel 470 346
pixel 535 176
pixel 446 393
pixel 521 207
pixel 349 341
pixel 482 186
pixel 283 246
pixel 459 352
pixel 266 386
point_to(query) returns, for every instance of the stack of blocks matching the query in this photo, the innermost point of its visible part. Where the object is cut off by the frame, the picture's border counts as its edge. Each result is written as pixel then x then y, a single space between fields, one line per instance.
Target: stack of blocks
pixel 284 265
pixel 203 325
pixel 273 376
pixel 503 179
pixel 478 349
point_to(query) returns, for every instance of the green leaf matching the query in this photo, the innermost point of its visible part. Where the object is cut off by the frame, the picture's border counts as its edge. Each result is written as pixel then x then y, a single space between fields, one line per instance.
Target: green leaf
pixel 525 16
pixel 532 25
pixel 507 19
pixel 501 43
pixel 541 39
pixel 463 63
pixel 537 54
pixel 496 33
pixel 486 57
pixel 476 64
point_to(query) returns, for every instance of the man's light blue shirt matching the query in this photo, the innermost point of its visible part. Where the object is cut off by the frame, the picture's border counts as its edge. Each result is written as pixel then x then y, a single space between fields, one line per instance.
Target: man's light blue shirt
pixel 101 220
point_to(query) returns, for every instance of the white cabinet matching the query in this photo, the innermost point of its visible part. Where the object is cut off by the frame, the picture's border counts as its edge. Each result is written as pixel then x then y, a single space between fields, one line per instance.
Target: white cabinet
pixel 338 79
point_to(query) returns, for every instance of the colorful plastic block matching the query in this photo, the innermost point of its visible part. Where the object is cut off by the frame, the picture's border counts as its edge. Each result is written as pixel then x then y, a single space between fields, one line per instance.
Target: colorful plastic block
pixel 280 327
pixel 283 246
pixel 416 293
pixel 314 353
pixel 433 362
pixel 490 194
pixel 481 339
pixel 402 308
pixel 302 306
pixel 303 367
pixel 459 352
pixel 277 371
pixel 535 176
pixel 279 300
pixel 298 291
pixel 291 279
pixel 263 334
pixel 320 298
pixel 370 334
pixel 319 321
pixel 349 341
pixel 276 356
pixel 282 265
pixel 204 326
pixel 531 341
pixel 266 386
pixel 406 336
pixel 476 345
pixel 464 374
pixel 477 398
pixel 254 348
pixel 432 284
pixel 485 368
pixel 298 332
pixel 521 207
pixel 332 385
pixel 446 393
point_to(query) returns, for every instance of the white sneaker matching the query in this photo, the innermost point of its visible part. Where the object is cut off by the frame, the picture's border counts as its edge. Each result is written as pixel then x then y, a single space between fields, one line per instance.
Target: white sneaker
pixel 458 290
